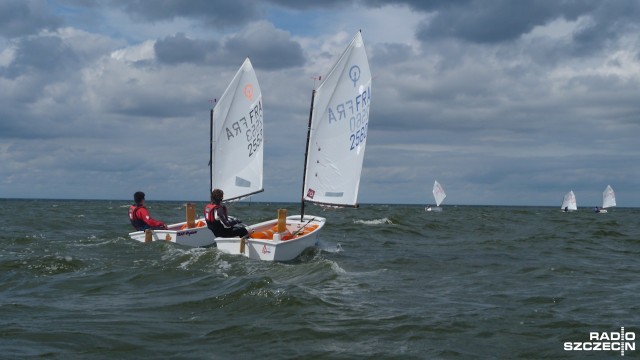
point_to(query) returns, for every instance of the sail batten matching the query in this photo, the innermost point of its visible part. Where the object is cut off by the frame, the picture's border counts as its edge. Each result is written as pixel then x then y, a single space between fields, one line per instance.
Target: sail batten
pixel 338 133
pixel 237 165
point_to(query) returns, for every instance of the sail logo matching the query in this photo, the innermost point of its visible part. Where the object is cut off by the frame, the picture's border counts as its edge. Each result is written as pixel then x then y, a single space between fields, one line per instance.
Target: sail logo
pixel 248 92
pixel 354 74
pixel 311 193
pixel 605 341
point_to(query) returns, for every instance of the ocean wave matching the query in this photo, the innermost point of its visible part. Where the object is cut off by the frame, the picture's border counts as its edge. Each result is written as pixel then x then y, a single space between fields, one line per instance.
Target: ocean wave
pixel 334 249
pixel 374 222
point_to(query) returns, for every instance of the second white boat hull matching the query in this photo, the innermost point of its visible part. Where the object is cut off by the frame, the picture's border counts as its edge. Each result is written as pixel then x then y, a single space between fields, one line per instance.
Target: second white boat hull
pixel 274 249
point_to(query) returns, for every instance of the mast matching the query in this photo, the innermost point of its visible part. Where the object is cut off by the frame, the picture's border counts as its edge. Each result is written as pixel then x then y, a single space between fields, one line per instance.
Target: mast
pixel 211 148
pixel 306 155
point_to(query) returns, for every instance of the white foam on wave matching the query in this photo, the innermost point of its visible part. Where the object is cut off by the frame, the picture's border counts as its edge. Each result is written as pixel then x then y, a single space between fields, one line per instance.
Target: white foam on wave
pixel 334 249
pixel 374 221
pixel 335 267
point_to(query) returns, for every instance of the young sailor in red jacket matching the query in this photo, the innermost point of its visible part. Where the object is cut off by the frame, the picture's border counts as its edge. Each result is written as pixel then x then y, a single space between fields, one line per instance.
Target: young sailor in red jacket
pixel 218 221
pixel 139 215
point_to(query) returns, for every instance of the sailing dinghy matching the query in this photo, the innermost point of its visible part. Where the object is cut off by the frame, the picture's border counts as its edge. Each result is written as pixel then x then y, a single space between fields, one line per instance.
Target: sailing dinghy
pixel 336 140
pixel 608 199
pixel 236 151
pixel 569 202
pixel 438 195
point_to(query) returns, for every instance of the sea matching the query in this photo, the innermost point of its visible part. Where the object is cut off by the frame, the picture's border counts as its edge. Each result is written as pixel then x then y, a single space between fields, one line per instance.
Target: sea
pixel 386 282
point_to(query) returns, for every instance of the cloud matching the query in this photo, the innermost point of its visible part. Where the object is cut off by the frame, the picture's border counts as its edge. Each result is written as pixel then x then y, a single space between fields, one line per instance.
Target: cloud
pixel 179 49
pixel 268 47
pixel 213 13
pixel 41 54
pixel 28 17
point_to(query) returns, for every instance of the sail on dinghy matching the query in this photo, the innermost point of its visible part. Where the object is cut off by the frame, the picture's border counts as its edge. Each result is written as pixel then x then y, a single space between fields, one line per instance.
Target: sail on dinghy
pixel 608 199
pixel 336 140
pixel 438 195
pixel 236 151
pixel 569 202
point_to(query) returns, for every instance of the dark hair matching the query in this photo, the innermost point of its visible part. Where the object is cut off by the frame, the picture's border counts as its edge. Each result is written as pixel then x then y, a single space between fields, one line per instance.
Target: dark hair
pixel 217 195
pixel 138 197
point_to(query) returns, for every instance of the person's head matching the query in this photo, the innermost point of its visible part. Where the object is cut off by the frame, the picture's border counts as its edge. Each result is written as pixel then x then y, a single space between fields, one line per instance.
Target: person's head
pixel 138 197
pixel 216 196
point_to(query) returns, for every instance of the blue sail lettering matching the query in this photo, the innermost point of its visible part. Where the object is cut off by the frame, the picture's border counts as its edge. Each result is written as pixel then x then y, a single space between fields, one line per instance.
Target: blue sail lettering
pixel 347 109
pixel 331 116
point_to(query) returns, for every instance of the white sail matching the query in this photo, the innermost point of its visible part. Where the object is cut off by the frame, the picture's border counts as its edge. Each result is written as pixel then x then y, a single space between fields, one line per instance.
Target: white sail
pixel 339 124
pixel 608 197
pixel 569 201
pixel 238 135
pixel 438 193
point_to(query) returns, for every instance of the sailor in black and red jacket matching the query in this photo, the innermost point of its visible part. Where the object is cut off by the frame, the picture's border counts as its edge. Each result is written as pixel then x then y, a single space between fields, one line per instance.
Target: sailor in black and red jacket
pixel 139 215
pixel 218 221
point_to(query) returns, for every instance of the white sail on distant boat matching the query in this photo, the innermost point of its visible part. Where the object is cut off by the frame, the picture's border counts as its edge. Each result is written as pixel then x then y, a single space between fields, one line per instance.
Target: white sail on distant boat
pixel 569 202
pixel 608 199
pixel 438 195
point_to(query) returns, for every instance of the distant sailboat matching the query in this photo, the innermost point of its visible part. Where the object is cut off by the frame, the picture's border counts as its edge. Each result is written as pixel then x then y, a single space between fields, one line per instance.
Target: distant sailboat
pixel 438 195
pixel 569 202
pixel 608 199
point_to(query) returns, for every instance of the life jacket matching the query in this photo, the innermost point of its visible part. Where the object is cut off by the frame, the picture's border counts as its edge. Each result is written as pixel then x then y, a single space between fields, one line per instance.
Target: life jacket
pixel 136 222
pixel 209 212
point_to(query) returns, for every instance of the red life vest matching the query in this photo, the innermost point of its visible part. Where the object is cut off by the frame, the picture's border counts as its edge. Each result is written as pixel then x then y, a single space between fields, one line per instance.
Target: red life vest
pixel 209 212
pixel 136 222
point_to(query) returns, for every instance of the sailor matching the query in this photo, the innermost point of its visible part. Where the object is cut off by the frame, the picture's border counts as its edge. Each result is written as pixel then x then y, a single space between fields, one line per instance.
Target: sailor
pixel 139 215
pixel 218 220
pixel 596 209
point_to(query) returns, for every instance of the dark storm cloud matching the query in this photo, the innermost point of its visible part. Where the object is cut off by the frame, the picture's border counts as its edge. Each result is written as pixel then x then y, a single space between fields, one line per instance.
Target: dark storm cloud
pixel 41 54
pixel 217 13
pixel 609 21
pixel 385 54
pixel 268 47
pixel 306 5
pixel 19 18
pixel 179 49
pixel 419 5
pixel 498 21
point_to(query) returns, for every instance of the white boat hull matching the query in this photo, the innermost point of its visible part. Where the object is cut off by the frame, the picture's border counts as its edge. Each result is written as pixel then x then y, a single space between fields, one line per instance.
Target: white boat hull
pixel 273 249
pixel 259 249
pixel 200 236
pixel 437 208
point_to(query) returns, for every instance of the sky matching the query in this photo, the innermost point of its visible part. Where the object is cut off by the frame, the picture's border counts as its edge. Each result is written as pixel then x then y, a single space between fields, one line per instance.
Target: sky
pixel 502 102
